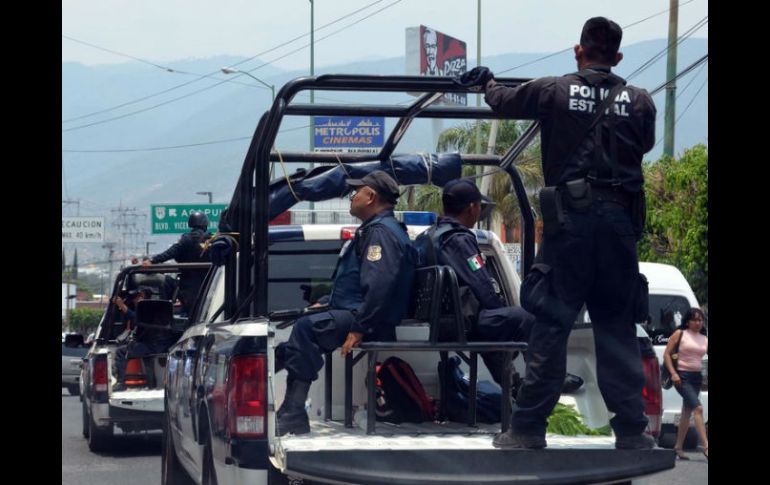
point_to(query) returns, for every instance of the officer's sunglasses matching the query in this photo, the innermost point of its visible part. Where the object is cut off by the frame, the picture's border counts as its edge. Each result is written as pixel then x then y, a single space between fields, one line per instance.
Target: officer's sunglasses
pixel 355 192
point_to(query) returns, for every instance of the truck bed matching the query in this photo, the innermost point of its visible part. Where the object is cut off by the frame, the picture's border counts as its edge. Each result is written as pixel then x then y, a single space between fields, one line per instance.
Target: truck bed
pixel 466 455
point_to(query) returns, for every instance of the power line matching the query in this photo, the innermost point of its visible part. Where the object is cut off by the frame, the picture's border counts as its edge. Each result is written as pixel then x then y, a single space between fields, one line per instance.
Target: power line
pixel 703 84
pixel 698 25
pixel 125 150
pixel 339 19
pixel 570 48
pixel 326 37
pixel 224 81
pixel 213 142
pixel 144 61
pixel 683 72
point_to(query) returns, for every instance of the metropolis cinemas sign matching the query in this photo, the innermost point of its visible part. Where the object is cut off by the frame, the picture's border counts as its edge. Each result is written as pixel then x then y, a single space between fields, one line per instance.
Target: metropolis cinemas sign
pixel 82 229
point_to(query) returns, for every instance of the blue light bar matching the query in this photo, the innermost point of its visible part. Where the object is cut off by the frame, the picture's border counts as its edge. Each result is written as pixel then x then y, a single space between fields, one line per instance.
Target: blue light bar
pixel 419 218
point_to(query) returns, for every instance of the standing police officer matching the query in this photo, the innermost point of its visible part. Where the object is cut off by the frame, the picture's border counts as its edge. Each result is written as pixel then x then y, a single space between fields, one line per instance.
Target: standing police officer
pixel 591 216
pixel 370 295
pixel 189 249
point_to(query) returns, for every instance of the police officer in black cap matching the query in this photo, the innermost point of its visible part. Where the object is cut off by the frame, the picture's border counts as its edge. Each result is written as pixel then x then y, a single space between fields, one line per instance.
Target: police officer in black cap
pixel 370 295
pixel 592 209
pixel 450 242
pixel 190 248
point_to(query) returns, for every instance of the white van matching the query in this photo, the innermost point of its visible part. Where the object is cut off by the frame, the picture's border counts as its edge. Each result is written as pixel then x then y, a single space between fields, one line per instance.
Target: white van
pixel 670 298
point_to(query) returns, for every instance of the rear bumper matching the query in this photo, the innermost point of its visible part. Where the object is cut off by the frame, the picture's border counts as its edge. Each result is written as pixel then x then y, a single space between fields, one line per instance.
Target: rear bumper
pixel 440 467
pixel 69 379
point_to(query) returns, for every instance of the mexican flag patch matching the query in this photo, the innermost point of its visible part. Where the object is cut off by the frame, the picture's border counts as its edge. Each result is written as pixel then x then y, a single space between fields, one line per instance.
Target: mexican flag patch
pixel 475 262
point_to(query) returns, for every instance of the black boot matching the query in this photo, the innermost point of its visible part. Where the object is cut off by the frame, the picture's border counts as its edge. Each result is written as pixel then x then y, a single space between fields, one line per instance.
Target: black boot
pixel 292 417
pixel 280 358
pixel 571 384
pixel 494 362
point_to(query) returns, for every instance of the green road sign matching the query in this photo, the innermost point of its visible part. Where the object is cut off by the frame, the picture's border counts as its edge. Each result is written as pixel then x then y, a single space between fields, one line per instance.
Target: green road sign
pixel 172 218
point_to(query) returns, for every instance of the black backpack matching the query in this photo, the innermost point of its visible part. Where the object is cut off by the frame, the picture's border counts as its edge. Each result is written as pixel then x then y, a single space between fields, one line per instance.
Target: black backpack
pixel 458 395
pixel 400 395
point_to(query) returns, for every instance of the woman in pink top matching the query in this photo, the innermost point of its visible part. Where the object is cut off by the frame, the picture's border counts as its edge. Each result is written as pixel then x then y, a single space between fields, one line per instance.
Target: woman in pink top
pixel 686 376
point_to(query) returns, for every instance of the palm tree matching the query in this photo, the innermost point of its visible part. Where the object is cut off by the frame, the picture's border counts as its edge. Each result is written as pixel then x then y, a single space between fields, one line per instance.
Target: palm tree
pixel 463 139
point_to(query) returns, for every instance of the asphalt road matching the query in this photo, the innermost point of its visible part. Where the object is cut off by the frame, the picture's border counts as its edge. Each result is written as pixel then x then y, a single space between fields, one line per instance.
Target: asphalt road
pixel 134 458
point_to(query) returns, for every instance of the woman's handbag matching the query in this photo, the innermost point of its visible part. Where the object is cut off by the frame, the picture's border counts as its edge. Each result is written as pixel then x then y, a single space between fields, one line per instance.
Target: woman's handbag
pixel 665 376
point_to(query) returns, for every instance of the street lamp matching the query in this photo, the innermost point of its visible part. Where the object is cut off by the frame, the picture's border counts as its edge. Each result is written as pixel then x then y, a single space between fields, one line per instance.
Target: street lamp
pixel 205 193
pixel 232 70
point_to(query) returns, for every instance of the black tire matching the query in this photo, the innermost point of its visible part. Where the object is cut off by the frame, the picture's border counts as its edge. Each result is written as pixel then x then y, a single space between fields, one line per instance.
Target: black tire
pixel 667 437
pixel 172 471
pixel 691 439
pixel 209 471
pixel 99 439
pixel 73 389
pixel 85 420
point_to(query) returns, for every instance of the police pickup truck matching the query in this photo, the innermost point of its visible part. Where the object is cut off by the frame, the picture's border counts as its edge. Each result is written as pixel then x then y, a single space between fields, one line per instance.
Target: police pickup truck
pixel 222 392
pixel 136 403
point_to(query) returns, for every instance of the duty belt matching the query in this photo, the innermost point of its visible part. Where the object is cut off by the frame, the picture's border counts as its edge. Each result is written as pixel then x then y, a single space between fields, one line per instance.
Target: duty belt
pixel 580 194
pixel 611 194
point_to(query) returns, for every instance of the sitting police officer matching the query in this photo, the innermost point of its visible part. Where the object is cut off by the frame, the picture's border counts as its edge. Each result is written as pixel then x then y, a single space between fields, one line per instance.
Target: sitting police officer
pixel 189 249
pixel 592 216
pixel 450 242
pixel 370 295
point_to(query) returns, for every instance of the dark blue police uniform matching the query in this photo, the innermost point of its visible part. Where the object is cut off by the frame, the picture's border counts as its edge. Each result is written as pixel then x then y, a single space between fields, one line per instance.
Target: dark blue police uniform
pixel 591 257
pixel 189 249
pixel 455 245
pixel 370 295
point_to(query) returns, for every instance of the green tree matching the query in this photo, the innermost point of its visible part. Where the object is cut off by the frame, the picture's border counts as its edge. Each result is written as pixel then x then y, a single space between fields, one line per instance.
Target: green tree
pixel 677 216
pixel 462 138
pixel 84 320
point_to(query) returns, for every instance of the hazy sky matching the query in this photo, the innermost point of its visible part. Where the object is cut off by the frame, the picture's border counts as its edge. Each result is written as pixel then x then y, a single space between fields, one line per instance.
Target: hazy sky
pixel 167 30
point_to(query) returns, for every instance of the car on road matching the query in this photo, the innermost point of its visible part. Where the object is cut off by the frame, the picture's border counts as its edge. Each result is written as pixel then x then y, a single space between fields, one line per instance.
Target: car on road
pixel 136 404
pixel 73 349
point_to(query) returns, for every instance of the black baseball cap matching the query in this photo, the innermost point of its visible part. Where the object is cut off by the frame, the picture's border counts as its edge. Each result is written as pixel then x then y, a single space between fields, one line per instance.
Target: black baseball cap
pixel 459 193
pixel 380 182
pixel 601 37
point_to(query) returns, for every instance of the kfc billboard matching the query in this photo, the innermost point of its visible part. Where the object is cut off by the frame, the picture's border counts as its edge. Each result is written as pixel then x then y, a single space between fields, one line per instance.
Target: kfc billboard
pixel 432 53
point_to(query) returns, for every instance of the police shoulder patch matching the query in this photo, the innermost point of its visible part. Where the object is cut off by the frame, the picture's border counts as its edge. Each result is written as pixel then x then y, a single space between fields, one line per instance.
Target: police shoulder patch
pixel 374 253
pixel 475 262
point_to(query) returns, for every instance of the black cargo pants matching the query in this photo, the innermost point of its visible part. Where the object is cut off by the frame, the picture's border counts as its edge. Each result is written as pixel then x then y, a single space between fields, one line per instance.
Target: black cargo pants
pixel 593 260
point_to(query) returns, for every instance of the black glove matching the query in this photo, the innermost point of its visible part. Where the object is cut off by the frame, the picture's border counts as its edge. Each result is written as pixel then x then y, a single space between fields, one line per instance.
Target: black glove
pixel 476 79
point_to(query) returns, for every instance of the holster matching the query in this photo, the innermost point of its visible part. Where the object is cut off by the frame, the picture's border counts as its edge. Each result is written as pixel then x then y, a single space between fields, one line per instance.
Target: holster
pixel 638 214
pixel 579 194
pixel 551 210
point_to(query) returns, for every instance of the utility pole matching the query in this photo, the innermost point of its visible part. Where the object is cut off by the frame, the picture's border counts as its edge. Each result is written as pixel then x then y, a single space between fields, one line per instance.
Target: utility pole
pixel 147 247
pixel 110 246
pixel 311 205
pixel 478 63
pixel 125 221
pixel 668 130
pixel 486 180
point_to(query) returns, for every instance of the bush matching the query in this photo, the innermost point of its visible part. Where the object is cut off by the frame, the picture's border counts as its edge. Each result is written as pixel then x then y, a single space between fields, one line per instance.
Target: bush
pixel 677 216
pixel 84 320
